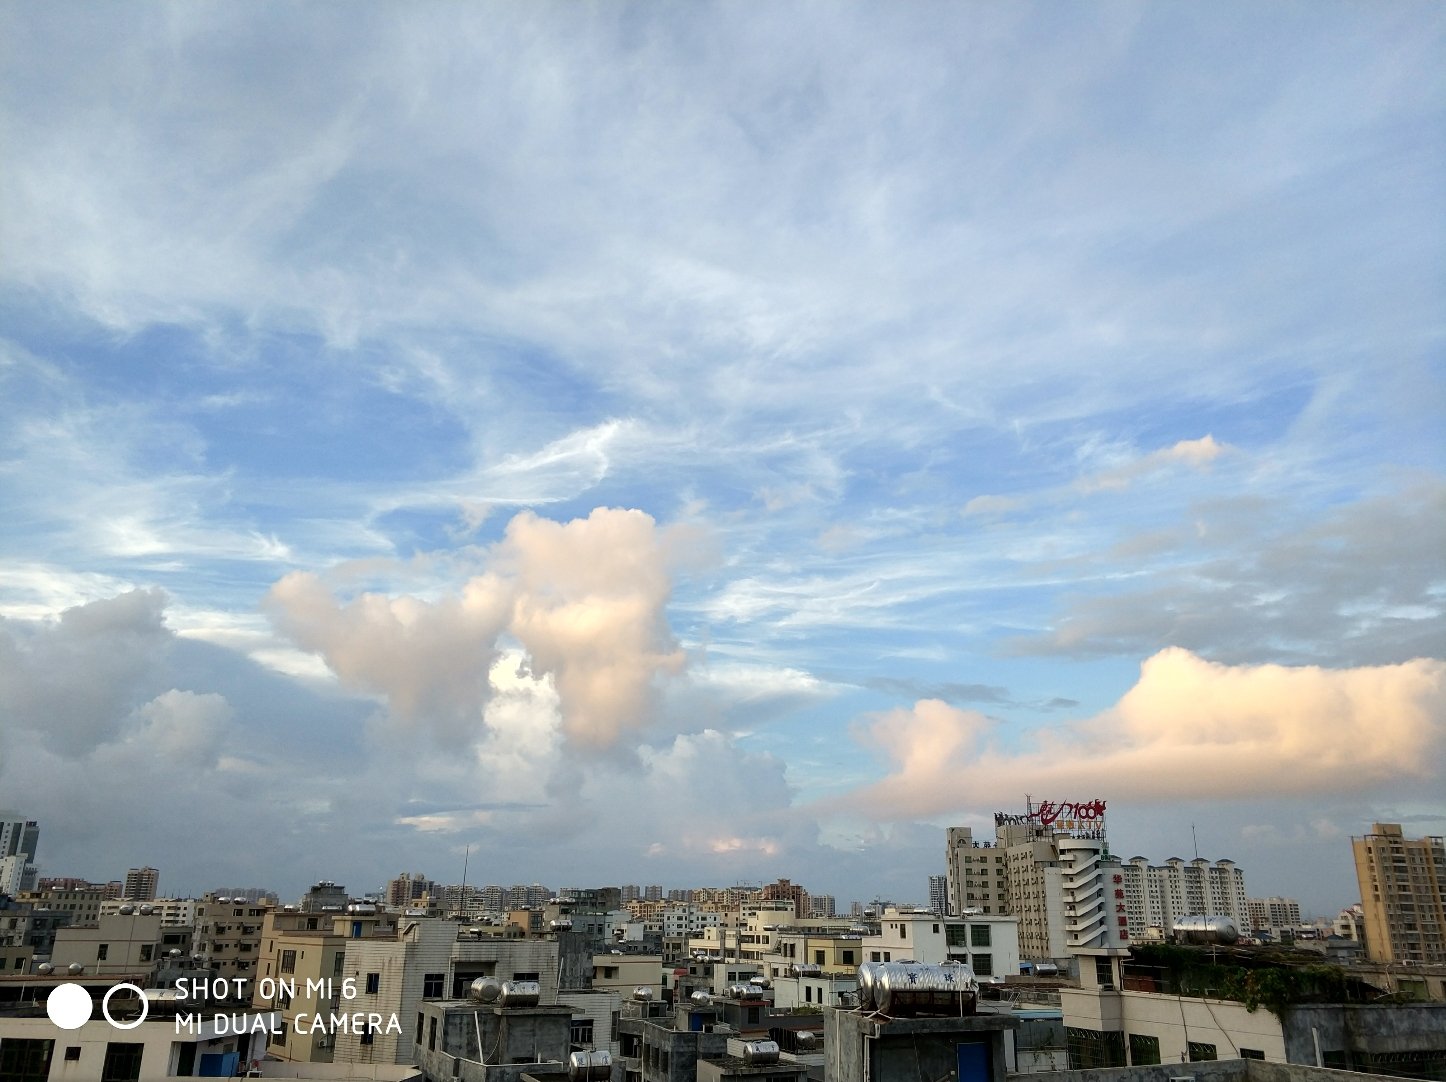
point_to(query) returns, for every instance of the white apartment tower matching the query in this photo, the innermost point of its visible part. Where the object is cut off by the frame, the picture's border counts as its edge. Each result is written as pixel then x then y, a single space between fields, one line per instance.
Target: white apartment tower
pixel 1156 896
pixel 19 838
pixel 1066 890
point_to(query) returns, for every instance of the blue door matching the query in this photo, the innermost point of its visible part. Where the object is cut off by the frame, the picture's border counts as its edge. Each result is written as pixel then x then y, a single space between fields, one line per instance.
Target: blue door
pixel 973 1062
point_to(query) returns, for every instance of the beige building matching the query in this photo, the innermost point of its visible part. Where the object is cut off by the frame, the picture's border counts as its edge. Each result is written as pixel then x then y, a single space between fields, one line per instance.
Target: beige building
pixel 83 905
pixel 977 878
pixel 299 974
pixel 1403 895
pixel 126 944
pixel 228 936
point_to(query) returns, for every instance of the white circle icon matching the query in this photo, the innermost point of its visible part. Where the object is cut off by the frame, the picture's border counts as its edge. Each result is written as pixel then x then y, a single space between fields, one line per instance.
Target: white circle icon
pixel 105 1006
pixel 69 1006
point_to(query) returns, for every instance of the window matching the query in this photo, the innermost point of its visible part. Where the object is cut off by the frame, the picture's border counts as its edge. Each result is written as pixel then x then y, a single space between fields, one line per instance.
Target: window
pixel 122 1062
pixel 818 958
pixel 26 1059
pixel 101 952
pixel 1144 1050
pixel 374 983
pixel 421 1020
pixel 1201 1051
pixel 146 949
pixel 580 1031
pixel 369 1036
pixel 525 976
pixel 432 984
pixel 1090 1048
pixel 848 958
pixel 431 1033
pixel 288 961
pixel 979 935
pixel 983 964
pixel 72 1052
pixel 1251 1053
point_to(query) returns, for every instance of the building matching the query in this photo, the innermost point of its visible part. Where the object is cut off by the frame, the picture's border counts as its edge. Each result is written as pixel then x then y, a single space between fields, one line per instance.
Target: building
pixel 1403 895
pixel 977 877
pixel 1169 1004
pixel 1067 891
pixel 125 945
pixel 299 971
pixel 325 897
pixel 988 944
pixel 859 1046
pixel 19 840
pixel 213 1042
pixel 180 912
pixel 1272 912
pixel 406 889
pixel 428 959
pixel 784 890
pixel 228 937
pixel 82 904
pixel 141 884
pixel 939 894
pixel 821 906
pixel 1156 896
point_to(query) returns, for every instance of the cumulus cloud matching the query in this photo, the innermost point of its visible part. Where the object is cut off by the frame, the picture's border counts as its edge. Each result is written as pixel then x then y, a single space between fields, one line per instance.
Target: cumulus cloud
pixel 185 729
pixel 1188 728
pixel 585 599
pixel 430 659
pixel 73 681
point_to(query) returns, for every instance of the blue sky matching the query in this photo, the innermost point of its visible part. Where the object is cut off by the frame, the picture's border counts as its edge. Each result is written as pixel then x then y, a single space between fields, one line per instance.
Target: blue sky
pixel 714 442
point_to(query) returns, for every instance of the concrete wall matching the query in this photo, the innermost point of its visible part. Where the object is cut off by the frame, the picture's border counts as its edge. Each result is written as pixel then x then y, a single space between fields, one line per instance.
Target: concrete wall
pixel 859 1047
pixel 1397 1027
pixel 1225 1070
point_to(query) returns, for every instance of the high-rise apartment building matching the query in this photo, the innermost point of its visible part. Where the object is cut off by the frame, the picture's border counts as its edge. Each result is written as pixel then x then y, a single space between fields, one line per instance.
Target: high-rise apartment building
pixel 977 879
pixel 1272 912
pixel 407 888
pixel 787 891
pixel 939 894
pixel 1064 887
pixel 1157 895
pixel 19 839
pixel 141 884
pixel 1403 895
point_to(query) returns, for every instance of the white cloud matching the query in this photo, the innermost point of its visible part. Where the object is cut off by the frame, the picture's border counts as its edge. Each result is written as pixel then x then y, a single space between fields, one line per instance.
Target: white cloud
pixel 585 600
pixel 1187 729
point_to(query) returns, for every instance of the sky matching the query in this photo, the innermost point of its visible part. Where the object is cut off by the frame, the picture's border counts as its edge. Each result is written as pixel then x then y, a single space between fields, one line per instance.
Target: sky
pixel 695 444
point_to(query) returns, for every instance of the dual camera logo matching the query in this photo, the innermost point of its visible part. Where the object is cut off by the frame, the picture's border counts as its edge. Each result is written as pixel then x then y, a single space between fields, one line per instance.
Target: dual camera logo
pixel 71 1007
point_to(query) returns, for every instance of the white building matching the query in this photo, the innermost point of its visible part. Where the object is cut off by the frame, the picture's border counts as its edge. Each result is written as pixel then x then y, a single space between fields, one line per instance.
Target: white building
pixel 19 839
pixel 1066 890
pixel 1156 896
pixel 181 912
pixel 426 960
pixel 1273 912
pixel 989 944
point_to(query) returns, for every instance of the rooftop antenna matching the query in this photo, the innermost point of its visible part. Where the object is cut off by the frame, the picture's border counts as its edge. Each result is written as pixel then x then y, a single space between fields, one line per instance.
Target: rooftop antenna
pixel 462 894
pixel 1196 840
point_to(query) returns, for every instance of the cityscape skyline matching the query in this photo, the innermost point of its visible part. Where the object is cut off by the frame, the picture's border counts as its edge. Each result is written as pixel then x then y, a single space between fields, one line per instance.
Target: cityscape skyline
pixel 701 444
